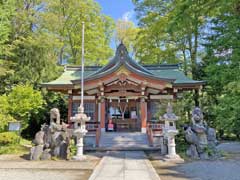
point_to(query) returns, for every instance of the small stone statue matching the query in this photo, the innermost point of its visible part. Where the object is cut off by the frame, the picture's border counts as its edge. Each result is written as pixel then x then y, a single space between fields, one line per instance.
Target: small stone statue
pixel 54 116
pixel 51 140
pixel 37 150
pixel 202 139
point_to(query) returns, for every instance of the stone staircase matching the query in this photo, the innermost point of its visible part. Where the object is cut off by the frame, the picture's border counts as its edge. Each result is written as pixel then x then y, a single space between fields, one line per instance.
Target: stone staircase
pixel 124 141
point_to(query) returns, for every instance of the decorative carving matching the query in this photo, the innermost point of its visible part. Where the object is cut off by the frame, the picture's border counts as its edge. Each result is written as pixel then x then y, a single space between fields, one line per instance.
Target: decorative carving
pixel 122 52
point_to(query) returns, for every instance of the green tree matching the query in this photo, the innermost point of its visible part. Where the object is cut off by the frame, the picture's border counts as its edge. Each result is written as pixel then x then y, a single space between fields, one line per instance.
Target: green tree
pixel 63 19
pixel 23 101
pixel 222 68
pixel 227 110
pixel 154 44
pixel 4 116
pixel 175 29
pixel 7 8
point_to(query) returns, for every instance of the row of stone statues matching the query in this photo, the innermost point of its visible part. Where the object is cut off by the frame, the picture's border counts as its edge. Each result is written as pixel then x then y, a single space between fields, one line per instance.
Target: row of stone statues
pixel 52 140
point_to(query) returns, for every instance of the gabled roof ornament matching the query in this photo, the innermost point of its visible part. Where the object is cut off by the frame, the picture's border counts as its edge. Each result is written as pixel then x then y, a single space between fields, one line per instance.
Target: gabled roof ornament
pixel 122 52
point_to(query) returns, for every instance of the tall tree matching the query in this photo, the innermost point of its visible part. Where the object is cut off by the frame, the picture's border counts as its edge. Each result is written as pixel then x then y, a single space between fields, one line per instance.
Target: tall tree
pixel 177 27
pixel 63 19
pixel 7 8
pixel 153 41
pixel 33 49
pixel 222 67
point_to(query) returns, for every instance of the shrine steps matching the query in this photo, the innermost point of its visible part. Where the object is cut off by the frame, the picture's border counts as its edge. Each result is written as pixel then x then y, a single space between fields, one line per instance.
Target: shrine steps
pixel 122 141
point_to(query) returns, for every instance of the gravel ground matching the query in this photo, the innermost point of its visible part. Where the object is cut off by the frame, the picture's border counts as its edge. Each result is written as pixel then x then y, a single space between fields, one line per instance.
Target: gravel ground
pixel 13 167
pixel 224 169
pixel 212 170
pixel 230 147
pixel 34 174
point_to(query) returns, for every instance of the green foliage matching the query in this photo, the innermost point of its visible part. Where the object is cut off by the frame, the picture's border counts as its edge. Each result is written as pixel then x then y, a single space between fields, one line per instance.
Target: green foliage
pixel 227 111
pixel 16 148
pixel 63 19
pixel 7 138
pixel 20 103
pixel 7 8
pixel 4 119
pixel 4 110
pixel 172 31
pixel 52 100
pixel 73 148
pixel 35 59
pixel 222 69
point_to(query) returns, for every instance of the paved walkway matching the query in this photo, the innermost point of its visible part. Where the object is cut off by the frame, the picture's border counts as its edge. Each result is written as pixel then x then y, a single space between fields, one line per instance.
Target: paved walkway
pixel 124 165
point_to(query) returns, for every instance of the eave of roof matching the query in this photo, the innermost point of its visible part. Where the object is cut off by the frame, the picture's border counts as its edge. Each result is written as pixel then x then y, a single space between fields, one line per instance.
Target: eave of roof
pixel 165 72
pixel 122 58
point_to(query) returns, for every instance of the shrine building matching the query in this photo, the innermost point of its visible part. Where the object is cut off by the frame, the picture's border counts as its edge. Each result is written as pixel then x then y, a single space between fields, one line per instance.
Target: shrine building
pixel 124 92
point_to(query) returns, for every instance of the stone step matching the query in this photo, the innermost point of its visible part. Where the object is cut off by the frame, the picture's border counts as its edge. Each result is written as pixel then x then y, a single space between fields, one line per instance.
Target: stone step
pixel 135 148
pixel 124 140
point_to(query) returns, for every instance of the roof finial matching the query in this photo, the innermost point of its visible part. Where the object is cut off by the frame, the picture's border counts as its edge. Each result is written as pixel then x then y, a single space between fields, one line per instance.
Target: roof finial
pixel 122 52
pixel 121 41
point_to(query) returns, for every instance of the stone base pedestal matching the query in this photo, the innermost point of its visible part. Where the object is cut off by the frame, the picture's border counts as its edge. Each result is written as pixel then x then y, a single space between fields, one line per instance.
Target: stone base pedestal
pixel 143 130
pixel 174 158
pixel 79 158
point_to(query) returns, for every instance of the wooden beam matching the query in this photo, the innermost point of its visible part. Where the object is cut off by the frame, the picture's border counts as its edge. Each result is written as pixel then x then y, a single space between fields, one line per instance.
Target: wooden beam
pixel 123 93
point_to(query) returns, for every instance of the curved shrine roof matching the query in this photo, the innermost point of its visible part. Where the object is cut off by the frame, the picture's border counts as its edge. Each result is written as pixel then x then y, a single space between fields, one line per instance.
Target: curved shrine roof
pixel 165 72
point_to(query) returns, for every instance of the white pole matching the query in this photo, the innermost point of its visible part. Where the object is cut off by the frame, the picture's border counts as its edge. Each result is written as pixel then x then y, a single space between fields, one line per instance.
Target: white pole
pixel 82 76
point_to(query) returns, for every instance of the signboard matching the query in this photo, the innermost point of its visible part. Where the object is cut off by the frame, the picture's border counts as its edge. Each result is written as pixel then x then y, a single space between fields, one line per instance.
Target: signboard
pixel 14 126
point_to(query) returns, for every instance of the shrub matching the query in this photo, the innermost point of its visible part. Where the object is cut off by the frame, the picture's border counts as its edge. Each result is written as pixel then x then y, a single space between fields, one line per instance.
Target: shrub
pixel 4 119
pixel 7 138
pixel 21 102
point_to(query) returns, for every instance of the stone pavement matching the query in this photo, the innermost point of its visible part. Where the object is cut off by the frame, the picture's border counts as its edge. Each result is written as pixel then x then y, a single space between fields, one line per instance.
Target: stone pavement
pixel 124 165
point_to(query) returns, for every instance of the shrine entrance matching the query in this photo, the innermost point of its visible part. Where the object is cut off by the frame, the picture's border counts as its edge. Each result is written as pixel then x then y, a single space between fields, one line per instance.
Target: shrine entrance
pixel 123 115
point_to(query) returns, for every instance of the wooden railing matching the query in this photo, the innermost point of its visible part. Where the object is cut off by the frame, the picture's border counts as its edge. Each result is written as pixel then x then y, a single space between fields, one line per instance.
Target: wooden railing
pixel 150 135
pixel 94 127
pixel 154 129
pixel 98 135
pixel 157 128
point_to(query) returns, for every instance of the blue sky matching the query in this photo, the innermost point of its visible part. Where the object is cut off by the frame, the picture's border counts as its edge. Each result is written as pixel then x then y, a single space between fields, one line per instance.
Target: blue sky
pixel 118 9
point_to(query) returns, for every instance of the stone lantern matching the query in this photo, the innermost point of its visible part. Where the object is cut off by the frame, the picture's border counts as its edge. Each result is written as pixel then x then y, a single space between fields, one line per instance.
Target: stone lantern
pixel 80 131
pixel 170 131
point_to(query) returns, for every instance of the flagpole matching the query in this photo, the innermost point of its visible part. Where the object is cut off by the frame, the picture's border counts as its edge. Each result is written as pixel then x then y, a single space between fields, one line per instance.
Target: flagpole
pixel 82 76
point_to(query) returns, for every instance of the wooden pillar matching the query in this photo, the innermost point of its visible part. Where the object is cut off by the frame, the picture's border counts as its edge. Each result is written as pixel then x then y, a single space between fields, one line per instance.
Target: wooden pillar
pixel 102 115
pixel 70 103
pixel 143 108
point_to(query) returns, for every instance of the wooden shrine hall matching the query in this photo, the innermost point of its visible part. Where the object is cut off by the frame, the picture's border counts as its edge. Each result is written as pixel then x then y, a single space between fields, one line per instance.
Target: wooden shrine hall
pixel 123 92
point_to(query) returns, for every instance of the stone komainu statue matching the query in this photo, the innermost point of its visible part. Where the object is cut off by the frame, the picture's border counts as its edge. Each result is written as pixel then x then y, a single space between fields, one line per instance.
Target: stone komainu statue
pixel 51 140
pixel 201 138
pixel 54 116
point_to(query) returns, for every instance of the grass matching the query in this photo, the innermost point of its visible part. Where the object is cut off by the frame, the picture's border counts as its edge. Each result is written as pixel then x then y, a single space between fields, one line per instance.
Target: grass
pixel 21 148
